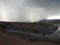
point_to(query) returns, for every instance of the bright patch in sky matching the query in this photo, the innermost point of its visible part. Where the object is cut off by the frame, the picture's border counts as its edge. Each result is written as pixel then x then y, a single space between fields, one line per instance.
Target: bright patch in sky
pixel 4 13
pixel 54 17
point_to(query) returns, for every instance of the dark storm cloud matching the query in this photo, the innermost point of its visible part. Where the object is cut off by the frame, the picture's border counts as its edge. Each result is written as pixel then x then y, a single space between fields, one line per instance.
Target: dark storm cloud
pixel 51 6
pixel 44 3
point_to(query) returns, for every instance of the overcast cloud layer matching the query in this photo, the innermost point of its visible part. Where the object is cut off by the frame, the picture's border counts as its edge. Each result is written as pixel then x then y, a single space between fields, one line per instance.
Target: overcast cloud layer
pixel 29 10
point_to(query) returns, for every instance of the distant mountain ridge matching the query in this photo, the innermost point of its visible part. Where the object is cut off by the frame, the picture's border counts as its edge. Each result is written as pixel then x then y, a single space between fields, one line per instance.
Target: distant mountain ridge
pixel 53 21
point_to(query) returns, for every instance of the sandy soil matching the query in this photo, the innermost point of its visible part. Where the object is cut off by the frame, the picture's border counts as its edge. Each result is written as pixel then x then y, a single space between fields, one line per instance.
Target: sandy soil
pixel 8 39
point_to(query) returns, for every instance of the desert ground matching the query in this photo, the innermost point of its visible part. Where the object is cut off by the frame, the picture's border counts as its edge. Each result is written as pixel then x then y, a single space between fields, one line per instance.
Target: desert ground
pixel 8 39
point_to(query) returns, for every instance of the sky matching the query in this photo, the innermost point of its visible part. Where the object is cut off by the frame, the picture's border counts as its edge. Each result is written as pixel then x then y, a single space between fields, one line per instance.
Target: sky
pixel 29 10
